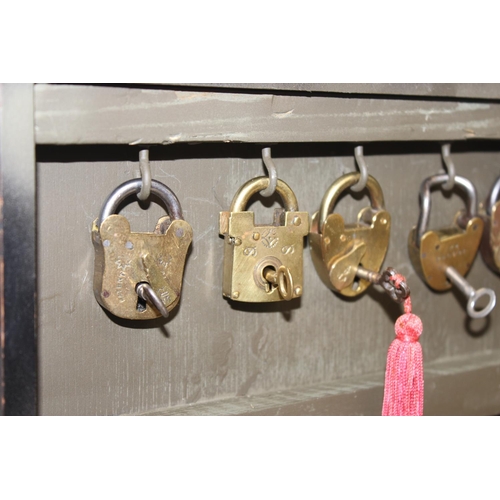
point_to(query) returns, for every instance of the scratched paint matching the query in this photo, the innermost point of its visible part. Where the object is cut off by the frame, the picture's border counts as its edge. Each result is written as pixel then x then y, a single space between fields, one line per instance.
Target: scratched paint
pixel 125 116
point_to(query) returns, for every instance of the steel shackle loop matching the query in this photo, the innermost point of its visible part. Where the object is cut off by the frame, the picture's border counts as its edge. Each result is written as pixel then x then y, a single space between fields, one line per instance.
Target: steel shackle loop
pixel 339 186
pixel 493 196
pixel 425 201
pixel 253 186
pixel 133 186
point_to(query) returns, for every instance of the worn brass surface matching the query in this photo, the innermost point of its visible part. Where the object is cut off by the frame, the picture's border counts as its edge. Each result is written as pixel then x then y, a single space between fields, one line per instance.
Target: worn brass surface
pixel 439 249
pixel 490 242
pixel 250 249
pixel 263 263
pixel 344 182
pixel 343 268
pixel 341 248
pixel 253 186
pixel 123 259
pixel 338 249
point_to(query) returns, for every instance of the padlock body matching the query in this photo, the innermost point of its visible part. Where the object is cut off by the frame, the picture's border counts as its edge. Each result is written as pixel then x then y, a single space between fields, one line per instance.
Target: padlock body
pixel 453 246
pixel 338 248
pixel 490 242
pixel 250 249
pixel 123 259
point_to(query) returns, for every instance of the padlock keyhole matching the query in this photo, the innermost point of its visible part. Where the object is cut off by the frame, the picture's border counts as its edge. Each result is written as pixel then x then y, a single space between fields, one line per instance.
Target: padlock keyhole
pixel 270 285
pixel 355 284
pixel 141 304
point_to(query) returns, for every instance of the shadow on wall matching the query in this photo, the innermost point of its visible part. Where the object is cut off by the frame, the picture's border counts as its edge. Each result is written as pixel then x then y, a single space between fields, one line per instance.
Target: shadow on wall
pixel 99 152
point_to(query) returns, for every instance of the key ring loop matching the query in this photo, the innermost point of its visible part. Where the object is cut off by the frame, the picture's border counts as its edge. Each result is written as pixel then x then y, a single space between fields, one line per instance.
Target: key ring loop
pixel 474 297
pixel 285 283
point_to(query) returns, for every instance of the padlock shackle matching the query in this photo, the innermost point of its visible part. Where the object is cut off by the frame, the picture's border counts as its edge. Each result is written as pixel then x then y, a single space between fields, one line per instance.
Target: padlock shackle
pixel 253 186
pixel 425 201
pixel 133 186
pixel 339 186
pixel 493 196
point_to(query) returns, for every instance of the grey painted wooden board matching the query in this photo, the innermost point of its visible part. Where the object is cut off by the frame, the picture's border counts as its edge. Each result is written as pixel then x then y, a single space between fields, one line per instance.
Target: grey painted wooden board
pixel 211 349
pixel 455 386
pixel 456 90
pixel 67 114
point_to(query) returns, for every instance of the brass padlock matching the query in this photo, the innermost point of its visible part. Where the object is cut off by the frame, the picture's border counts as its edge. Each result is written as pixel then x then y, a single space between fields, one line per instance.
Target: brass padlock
pixel 139 275
pixel 263 263
pixel 338 249
pixel 490 242
pixel 442 257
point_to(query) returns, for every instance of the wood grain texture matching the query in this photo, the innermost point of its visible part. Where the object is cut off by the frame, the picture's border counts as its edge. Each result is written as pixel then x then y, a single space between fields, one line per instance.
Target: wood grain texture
pixel 67 114
pixel 452 389
pixel 211 349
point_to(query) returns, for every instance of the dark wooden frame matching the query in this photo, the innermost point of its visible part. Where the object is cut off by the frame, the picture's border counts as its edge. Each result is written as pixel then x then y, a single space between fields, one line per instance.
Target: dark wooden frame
pixel 17 163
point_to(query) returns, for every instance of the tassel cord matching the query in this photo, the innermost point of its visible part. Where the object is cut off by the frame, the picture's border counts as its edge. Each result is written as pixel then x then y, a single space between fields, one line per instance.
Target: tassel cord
pixel 404 382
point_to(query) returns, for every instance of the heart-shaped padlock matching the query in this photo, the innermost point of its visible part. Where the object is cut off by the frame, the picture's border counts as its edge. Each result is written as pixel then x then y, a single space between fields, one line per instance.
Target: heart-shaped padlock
pixel 339 249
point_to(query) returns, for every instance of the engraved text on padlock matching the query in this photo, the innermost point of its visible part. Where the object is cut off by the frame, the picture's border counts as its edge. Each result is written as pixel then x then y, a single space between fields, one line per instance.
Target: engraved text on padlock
pixel 125 259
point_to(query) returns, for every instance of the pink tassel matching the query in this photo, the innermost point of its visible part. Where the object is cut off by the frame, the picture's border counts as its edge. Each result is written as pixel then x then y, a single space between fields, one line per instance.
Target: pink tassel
pixel 404 374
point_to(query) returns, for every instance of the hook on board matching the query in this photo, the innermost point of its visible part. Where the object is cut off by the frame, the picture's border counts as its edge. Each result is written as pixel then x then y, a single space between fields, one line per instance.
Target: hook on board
pixel 450 167
pixel 272 173
pixel 145 191
pixel 360 161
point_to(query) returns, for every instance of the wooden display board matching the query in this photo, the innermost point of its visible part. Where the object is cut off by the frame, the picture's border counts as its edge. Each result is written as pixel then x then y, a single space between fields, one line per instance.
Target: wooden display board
pixel 320 354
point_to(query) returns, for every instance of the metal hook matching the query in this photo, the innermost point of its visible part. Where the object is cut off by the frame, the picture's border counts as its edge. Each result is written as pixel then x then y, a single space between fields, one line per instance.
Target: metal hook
pixel 273 174
pixel 360 160
pixel 450 167
pixel 145 191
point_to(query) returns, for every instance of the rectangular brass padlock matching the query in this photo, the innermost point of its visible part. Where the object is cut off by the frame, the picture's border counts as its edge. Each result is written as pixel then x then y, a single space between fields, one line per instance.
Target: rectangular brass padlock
pixel 263 263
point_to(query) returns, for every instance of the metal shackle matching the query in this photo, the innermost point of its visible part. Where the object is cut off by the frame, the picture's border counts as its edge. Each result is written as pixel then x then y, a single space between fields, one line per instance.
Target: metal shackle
pixel 339 186
pixel 425 201
pixel 133 186
pixel 253 186
pixel 493 196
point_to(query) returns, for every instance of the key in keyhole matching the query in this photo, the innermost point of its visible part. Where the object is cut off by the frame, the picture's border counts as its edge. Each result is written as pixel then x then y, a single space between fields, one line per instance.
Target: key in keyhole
pixel 283 279
pixel 146 293
pixel 398 294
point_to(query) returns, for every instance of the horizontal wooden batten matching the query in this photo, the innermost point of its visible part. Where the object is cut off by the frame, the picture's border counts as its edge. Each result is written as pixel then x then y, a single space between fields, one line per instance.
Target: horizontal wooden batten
pixel 72 114
pixel 437 90
pixel 452 388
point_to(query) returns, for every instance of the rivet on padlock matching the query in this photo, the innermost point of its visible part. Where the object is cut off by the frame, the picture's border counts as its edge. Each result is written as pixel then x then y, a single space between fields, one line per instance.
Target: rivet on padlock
pixel 444 256
pixel 263 263
pixel 139 275
pixel 489 211
pixel 343 252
